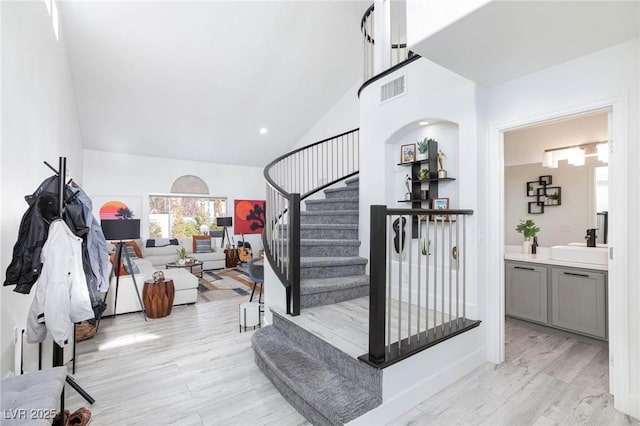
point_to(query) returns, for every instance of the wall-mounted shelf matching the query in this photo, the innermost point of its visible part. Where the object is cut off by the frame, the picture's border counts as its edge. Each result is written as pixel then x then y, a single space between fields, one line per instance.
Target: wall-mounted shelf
pixel 411 163
pixel 416 184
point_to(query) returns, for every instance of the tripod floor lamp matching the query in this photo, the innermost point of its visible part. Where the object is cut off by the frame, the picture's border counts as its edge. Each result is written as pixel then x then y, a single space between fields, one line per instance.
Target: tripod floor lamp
pixel 120 230
pixel 224 222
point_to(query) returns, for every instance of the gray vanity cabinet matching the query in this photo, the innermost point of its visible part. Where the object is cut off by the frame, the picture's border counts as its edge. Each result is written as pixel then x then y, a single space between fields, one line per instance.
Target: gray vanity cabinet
pixel 578 301
pixel 526 291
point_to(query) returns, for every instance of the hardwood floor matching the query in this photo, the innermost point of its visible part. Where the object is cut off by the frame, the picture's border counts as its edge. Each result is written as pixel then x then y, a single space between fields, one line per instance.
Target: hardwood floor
pixel 190 368
pixel 548 378
pixel 195 368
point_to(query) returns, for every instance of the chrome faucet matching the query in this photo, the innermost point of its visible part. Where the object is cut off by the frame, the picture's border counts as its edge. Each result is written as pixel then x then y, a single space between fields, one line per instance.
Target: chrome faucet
pixel 591 237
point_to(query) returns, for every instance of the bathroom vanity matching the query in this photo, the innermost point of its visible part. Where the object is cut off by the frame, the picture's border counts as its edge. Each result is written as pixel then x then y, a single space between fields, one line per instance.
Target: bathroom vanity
pixel 567 295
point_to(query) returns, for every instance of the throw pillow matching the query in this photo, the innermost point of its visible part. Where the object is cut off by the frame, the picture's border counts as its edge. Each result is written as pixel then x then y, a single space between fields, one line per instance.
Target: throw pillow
pixel 135 248
pixel 135 269
pixel 123 271
pixel 202 244
pixel 162 242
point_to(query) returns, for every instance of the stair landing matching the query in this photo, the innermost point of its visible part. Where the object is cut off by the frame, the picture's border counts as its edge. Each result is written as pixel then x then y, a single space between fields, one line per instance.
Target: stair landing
pixel 345 325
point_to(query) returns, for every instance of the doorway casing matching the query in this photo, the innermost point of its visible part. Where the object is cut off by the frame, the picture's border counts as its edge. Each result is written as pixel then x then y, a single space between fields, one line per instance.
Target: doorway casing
pixel 618 318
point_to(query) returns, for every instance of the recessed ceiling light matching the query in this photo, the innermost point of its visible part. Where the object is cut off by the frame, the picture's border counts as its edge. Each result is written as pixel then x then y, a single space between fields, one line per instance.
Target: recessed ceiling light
pixel 263 131
pixel 423 123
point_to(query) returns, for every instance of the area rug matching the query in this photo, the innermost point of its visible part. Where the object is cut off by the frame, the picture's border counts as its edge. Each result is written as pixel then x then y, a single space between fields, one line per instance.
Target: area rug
pixel 224 284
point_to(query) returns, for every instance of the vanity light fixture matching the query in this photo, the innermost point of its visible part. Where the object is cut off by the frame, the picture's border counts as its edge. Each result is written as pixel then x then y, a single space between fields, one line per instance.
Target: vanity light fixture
pixel 575 154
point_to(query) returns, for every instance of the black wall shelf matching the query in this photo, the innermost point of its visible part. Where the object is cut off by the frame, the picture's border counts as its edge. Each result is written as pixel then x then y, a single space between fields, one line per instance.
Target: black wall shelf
pixel 416 184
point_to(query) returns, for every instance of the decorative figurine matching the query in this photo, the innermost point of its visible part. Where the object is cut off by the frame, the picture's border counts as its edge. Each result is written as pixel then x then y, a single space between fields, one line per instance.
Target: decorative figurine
pixel 407 182
pixel 442 173
pixel 158 276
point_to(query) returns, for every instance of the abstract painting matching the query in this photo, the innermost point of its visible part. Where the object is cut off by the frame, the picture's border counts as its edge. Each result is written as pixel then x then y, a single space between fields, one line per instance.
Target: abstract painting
pixel 248 216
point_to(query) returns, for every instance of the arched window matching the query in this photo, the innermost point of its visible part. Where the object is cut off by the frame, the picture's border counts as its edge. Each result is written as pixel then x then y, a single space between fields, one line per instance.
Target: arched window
pixel 188 210
pixel 189 184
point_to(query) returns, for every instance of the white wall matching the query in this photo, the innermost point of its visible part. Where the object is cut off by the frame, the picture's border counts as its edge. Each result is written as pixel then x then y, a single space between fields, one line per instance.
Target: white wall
pixel 39 123
pixel 425 18
pixel 132 175
pixel 561 224
pixel 605 78
pixel 343 116
pixel 432 93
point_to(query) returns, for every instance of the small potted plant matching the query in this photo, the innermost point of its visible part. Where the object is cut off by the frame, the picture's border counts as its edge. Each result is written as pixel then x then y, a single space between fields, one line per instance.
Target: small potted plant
pixel 423 174
pixel 182 255
pixel 529 230
pixel 423 149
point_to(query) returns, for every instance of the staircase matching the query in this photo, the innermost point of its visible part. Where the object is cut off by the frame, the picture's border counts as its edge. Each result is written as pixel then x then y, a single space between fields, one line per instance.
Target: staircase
pixel 325 384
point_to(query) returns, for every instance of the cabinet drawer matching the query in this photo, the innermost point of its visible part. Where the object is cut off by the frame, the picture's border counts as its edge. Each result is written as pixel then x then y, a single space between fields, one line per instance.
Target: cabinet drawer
pixel 578 301
pixel 526 291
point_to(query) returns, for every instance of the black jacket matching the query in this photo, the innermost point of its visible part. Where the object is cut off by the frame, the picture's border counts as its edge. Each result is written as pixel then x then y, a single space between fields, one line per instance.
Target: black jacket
pixel 25 267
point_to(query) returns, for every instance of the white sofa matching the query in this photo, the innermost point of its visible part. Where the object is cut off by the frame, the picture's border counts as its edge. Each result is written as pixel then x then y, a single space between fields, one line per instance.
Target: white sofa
pixel 160 256
pixel 185 284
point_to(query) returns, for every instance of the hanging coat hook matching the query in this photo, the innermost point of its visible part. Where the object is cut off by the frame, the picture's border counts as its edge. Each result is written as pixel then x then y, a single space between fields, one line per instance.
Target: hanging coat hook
pixel 51 167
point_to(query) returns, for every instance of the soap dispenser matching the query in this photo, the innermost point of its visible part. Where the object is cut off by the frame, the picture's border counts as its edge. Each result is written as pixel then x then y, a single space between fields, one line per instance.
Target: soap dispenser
pixel 534 246
pixel 591 237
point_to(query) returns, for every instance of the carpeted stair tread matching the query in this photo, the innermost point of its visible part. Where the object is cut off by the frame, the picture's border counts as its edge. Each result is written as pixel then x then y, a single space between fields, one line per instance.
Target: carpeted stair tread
pixel 333 397
pixel 332 200
pixel 330 213
pixel 341 204
pixel 309 262
pixel 329 216
pixel 352 180
pixel 322 242
pixel 341 189
pixel 336 242
pixel 342 192
pixel 321 285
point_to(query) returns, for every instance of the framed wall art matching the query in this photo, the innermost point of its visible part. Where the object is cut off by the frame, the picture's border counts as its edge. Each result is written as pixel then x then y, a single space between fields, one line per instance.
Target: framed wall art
pixel 440 204
pixel 249 216
pixel 408 153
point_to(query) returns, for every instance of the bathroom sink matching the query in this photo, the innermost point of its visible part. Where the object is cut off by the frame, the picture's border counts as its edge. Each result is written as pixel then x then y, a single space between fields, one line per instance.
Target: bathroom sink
pixel 585 244
pixel 580 254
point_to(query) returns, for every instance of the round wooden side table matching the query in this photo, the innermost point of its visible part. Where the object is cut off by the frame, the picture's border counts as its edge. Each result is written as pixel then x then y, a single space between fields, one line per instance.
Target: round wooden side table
pixel 232 257
pixel 158 298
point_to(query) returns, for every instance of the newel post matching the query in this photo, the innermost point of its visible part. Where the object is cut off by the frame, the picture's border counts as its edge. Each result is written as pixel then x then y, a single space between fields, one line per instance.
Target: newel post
pixel 294 252
pixel 377 286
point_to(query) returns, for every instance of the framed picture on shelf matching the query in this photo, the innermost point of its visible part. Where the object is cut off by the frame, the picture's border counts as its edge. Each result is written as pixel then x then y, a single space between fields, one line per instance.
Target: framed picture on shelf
pixel 408 153
pixel 440 204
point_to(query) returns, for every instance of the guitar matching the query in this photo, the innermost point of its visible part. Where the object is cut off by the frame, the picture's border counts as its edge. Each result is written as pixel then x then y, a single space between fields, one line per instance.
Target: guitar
pixel 244 251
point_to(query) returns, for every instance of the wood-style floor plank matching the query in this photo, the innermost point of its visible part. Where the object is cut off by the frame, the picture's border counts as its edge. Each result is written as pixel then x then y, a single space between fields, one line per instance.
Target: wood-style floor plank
pixel 548 378
pixel 194 367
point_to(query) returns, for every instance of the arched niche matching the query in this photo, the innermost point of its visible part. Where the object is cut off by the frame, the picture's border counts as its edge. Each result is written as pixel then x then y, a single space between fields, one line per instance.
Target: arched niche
pixel 446 133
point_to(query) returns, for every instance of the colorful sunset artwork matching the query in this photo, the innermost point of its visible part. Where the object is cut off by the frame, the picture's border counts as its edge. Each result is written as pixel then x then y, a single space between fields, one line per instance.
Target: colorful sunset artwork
pixel 248 217
pixel 115 210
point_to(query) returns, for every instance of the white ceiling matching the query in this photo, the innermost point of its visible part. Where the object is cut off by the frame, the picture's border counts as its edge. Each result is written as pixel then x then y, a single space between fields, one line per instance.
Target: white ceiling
pixel 504 40
pixel 197 80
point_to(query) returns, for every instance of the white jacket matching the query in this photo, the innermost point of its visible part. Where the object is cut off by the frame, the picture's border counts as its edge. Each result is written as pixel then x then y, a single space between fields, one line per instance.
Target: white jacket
pixel 62 297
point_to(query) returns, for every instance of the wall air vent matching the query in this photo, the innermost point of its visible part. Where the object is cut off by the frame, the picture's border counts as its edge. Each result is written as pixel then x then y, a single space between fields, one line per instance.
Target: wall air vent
pixel 393 89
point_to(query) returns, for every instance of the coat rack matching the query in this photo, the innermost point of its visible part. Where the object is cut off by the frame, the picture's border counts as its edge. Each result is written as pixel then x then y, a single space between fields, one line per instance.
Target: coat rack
pixel 58 351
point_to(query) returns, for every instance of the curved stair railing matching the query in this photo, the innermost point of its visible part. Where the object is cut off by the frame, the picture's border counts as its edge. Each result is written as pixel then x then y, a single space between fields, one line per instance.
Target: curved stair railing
pixel 397 51
pixel 290 179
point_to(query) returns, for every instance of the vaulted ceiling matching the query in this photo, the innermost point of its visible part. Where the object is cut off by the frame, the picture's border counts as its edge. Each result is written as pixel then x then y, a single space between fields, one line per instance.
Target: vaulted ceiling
pixel 197 80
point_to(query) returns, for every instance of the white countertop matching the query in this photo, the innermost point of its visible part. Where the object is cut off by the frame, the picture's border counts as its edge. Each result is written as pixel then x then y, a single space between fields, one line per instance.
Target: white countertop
pixel 543 257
